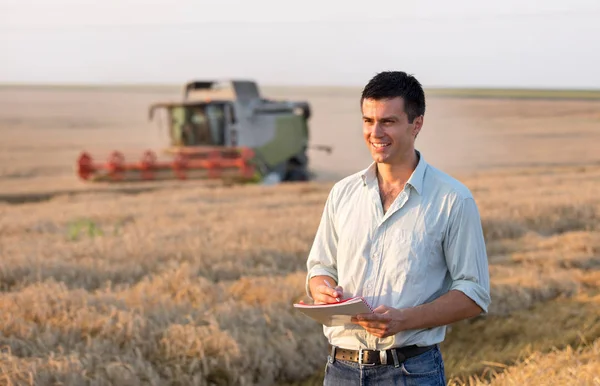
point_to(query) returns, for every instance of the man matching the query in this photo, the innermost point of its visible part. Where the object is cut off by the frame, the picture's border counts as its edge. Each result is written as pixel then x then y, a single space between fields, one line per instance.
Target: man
pixel 405 236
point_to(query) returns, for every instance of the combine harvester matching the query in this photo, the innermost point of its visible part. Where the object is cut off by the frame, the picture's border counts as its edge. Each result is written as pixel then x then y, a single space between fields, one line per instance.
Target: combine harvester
pixel 220 130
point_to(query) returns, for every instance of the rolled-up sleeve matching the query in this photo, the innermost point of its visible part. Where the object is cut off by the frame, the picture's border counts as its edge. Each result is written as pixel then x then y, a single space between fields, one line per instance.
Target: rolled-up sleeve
pixel 466 255
pixel 322 256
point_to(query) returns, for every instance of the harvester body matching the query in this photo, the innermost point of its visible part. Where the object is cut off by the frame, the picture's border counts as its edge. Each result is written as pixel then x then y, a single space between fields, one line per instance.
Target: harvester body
pixel 221 129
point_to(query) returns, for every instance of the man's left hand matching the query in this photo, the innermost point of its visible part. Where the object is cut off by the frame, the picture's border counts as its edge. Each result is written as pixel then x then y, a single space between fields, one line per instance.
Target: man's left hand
pixel 383 322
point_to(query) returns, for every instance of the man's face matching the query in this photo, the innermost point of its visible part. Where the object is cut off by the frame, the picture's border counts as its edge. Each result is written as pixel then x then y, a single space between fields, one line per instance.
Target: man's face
pixel 389 136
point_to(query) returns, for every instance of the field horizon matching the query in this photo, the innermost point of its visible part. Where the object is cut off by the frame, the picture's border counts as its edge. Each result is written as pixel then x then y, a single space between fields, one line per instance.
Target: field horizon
pixel 539 93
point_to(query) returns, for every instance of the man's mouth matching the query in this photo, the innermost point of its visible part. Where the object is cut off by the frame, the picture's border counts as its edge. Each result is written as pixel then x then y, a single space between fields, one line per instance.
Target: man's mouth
pixel 380 145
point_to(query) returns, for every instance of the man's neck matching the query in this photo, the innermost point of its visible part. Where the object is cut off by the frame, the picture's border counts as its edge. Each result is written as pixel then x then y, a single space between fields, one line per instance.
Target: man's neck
pixel 397 173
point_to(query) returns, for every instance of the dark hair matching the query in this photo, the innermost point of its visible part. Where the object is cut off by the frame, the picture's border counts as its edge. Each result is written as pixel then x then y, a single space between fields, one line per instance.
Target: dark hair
pixel 392 84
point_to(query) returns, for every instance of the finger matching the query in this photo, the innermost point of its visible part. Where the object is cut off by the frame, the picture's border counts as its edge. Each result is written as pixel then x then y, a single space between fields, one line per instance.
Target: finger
pixel 337 292
pixel 381 309
pixel 329 291
pixel 360 318
pixel 378 329
pixel 375 325
pixel 378 332
pixel 371 317
pixel 324 299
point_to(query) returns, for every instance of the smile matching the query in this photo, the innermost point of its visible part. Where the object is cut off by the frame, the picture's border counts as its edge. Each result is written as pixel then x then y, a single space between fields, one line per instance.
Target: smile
pixel 379 145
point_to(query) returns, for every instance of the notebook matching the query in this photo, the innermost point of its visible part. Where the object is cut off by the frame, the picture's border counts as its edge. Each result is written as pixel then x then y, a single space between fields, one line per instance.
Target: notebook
pixel 335 314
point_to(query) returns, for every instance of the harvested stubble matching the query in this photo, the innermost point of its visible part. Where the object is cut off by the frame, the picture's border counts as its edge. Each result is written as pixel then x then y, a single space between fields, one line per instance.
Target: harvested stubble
pixel 195 286
pixel 577 367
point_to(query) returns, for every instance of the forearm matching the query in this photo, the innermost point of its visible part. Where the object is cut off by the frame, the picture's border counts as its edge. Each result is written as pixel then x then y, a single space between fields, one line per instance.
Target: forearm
pixel 447 309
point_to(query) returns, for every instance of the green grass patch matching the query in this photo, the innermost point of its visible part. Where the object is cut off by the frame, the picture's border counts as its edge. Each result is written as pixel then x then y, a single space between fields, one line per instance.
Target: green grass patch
pixel 85 227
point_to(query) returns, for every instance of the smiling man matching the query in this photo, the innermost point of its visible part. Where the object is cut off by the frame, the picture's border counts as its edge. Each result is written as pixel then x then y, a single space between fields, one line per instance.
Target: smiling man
pixel 405 236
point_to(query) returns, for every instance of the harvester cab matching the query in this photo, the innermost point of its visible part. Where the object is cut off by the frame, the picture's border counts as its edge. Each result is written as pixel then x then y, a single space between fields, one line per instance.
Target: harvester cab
pixel 221 129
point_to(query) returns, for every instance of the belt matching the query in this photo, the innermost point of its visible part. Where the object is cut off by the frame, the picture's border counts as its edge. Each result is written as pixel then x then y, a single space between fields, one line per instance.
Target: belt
pixel 377 357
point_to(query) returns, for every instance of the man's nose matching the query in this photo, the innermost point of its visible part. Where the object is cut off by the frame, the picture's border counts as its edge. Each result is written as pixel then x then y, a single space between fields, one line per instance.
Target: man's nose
pixel 377 130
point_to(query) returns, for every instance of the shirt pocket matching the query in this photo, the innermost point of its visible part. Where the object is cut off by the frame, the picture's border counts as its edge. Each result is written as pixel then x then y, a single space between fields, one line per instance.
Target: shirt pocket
pixel 401 248
pixel 416 253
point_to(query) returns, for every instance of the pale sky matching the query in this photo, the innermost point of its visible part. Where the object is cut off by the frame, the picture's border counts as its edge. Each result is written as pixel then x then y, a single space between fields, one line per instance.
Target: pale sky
pixel 480 43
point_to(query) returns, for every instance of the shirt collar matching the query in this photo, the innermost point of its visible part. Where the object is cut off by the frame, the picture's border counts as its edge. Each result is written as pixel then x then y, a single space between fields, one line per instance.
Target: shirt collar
pixel 368 175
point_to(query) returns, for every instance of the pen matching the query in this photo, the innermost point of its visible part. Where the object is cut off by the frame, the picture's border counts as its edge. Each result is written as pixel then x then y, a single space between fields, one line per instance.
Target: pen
pixel 329 285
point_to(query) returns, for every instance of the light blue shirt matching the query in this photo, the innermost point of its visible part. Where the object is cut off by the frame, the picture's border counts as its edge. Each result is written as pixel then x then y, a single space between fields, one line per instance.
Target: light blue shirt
pixel 430 241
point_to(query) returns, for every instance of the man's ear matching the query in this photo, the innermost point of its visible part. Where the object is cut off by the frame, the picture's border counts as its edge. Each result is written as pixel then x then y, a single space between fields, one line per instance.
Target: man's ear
pixel 417 124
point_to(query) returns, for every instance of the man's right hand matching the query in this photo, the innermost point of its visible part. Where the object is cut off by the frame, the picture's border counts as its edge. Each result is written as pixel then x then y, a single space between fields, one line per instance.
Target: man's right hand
pixel 322 293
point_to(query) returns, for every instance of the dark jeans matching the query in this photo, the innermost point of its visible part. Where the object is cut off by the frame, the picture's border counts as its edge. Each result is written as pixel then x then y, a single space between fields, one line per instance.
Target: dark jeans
pixel 426 369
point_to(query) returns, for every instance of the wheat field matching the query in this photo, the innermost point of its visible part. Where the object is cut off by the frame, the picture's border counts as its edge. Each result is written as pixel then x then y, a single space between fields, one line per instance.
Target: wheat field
pixel 193 283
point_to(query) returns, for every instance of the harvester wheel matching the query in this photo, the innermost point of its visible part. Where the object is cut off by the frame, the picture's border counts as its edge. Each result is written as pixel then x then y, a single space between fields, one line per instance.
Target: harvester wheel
pixel 295 171
pixel 298 175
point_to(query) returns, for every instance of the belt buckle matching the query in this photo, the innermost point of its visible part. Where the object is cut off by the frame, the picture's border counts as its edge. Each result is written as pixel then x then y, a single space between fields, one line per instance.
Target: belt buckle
pixel 361 358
